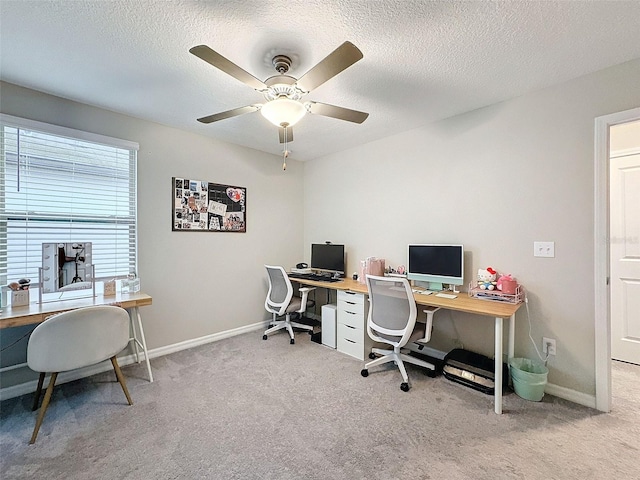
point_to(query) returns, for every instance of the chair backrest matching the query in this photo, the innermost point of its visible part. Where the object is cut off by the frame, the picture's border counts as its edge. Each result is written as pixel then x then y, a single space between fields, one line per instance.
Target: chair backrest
pixel 78 338
pixel 280 290
pixel 392 310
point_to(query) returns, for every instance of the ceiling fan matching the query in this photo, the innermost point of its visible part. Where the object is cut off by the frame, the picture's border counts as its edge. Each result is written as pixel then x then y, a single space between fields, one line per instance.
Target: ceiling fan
pixel 283 93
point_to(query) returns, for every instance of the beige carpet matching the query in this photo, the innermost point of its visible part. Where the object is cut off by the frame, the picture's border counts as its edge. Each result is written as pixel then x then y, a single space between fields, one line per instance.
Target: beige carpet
pixel 244 408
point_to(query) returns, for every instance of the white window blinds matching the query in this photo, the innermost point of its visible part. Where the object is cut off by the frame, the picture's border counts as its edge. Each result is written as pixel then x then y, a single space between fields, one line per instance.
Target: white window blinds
pixel 63 185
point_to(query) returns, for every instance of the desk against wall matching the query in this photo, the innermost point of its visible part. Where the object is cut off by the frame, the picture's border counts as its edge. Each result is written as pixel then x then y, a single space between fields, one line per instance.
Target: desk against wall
pixel 35 313
pixel 463 303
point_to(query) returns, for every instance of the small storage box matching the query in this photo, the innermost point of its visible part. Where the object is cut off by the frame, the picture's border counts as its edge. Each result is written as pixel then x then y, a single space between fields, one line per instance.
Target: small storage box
pixel 19 298
pixel 473 370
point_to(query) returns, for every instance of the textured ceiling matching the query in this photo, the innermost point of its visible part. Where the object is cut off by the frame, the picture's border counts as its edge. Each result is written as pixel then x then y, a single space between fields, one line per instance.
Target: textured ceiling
pixel 423 61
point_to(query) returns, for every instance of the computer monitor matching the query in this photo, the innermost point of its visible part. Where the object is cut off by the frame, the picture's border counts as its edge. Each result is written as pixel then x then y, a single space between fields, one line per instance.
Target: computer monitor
pixel 327 257
pixel 436 265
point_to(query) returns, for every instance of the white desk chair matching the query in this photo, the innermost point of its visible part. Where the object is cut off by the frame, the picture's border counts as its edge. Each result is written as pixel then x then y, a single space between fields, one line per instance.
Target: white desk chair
pixel 76 339
pixel 392 318
pixel 281 301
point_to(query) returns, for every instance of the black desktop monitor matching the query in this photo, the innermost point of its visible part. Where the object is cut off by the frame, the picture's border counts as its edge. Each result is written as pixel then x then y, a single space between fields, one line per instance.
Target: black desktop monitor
pixel 436 265
pixel 327 257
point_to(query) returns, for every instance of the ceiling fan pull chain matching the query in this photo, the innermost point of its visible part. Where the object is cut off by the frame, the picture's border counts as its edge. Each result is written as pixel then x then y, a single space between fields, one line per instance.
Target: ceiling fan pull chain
pixel 285 154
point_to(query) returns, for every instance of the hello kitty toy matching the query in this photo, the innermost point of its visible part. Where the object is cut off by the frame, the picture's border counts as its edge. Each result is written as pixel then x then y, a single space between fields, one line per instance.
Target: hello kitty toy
pixel 487 278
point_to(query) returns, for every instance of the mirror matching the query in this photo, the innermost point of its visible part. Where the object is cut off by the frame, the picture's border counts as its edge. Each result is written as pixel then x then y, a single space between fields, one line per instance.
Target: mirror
pixel 66 266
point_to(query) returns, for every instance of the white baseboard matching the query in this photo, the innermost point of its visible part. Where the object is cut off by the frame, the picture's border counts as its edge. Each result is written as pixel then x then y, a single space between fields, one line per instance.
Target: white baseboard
pixel 30 387
pixel 214 337
pixel 571 395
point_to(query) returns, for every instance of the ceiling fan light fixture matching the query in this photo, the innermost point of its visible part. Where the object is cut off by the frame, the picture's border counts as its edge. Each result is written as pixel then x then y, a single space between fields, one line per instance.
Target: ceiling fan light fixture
pixel 283 111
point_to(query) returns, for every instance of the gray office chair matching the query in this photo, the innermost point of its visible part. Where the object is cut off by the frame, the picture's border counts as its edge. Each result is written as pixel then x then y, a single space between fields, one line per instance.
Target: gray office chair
pixel 392 318
pixel 75 339
pixel 281 301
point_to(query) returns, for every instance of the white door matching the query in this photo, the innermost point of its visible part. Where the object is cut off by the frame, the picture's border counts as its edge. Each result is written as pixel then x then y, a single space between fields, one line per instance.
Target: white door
pixel 625 258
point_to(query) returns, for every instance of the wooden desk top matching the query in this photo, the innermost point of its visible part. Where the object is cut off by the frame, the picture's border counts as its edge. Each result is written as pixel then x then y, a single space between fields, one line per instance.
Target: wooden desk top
pixel 36 313
pixel 462 303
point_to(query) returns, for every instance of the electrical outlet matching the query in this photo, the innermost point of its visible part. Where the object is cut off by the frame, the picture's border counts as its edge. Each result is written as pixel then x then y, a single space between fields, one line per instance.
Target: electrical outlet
pixel 548 346
pixel 544 249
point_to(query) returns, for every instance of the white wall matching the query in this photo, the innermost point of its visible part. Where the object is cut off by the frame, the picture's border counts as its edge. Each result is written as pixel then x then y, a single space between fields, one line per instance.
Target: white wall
pixel 496 180
pixel 201 283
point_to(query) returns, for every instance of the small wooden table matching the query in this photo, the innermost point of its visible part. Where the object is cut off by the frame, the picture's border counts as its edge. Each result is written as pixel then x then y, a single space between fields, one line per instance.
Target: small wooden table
pixel 35 313
pixel 462 303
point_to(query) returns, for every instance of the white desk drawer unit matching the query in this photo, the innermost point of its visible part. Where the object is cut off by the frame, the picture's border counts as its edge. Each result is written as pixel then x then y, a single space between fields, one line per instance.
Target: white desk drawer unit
pixel 351 332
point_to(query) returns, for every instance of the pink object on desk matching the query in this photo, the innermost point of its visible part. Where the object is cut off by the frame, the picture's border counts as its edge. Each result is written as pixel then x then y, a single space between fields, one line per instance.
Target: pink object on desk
pixel 371 266
pixel 507 284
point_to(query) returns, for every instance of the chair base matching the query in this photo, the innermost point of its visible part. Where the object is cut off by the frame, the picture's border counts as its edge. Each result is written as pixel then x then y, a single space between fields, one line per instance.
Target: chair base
pixel 286 324
pixel 398 358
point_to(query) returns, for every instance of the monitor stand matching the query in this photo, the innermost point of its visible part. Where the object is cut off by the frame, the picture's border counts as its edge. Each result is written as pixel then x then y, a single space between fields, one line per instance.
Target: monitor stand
pixel 432 286
pixel 438 286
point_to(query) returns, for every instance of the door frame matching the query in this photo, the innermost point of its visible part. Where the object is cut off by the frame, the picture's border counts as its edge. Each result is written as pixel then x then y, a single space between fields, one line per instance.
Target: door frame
pixel 601 255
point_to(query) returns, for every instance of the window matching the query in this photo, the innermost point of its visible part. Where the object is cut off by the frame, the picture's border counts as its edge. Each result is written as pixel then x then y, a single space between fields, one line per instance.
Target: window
pixel 63 185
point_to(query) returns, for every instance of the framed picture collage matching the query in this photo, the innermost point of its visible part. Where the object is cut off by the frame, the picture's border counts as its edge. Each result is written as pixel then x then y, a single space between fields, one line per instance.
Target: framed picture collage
pixel 200 206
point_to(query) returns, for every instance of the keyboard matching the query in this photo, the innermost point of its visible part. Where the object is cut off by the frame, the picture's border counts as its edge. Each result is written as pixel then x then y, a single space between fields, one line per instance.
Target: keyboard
pixel 318 277
pixel 422 292
pixel 446 295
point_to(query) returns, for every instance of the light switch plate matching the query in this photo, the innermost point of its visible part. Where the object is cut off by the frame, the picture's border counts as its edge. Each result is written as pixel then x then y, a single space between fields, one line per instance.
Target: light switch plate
pixel 544 249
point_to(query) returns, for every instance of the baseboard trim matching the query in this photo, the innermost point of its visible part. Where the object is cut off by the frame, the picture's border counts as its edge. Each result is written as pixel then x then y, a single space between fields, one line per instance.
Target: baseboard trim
pixel 571 395
pixel 30 386
pixel 196 342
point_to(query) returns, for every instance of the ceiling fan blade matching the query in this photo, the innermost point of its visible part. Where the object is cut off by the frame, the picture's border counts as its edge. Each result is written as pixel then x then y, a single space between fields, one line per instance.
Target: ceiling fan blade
pixel 337 112
pixel 289 134
pixel 227 66
pixel 229 113
pixel 342 57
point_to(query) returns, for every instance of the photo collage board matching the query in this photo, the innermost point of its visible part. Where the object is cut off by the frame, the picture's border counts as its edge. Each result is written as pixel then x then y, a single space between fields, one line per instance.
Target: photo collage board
pixel 200 206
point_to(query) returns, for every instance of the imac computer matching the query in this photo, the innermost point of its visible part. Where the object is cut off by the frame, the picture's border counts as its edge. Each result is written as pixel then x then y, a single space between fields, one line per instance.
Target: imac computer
pixel 435 265
pixel 327 257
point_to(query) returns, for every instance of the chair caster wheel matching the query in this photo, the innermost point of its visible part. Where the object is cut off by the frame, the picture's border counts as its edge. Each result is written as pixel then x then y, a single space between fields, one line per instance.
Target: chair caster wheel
pixel 364 372
pixel 264 337
pixel 292 341
pixel 372 355
pixel 310 332
pixel 404 386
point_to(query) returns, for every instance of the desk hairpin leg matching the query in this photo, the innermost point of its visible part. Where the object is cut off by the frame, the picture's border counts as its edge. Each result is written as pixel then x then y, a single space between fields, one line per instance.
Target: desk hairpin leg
pixel 135 312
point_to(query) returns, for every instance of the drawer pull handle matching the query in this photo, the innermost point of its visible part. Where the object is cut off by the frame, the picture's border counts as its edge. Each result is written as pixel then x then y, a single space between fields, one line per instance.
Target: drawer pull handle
pixel 350 341
pixel 350 313
pixel 350 303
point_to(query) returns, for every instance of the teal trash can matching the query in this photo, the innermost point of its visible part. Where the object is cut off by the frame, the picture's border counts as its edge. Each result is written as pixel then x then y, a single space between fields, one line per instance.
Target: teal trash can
pixel 529 378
